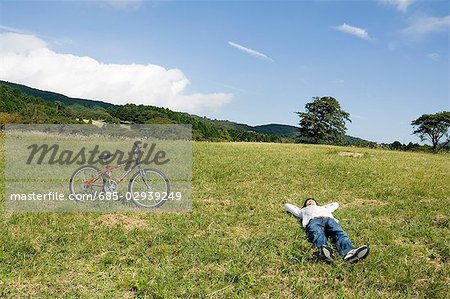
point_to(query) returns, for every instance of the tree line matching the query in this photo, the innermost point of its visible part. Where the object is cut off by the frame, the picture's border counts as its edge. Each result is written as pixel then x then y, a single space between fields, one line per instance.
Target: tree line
pixel 324 121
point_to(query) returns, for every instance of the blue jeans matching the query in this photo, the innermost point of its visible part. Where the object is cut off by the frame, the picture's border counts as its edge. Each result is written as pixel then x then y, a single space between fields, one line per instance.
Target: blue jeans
pixel 319 229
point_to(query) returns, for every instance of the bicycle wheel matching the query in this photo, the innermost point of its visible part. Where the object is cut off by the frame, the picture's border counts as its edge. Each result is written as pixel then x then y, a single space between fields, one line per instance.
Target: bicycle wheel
pixel 149 190
pixel 80 176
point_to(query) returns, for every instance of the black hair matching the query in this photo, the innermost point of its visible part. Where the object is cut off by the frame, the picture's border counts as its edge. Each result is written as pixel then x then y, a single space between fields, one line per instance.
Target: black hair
pixel 310 198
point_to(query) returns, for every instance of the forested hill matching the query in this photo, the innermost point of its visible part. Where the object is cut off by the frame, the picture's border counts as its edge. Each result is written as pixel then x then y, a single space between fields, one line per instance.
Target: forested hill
pixel 53 96
pixel 276 129
pixel 22 104
pixel 158 114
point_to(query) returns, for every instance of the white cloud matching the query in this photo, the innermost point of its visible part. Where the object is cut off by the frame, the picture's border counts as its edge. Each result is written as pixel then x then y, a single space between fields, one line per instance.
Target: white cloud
pixel 420 26
pixel 251 51
pixel 434 56
pixel 19 43
pixel 27 59
pixel 401 5
pixel 359 32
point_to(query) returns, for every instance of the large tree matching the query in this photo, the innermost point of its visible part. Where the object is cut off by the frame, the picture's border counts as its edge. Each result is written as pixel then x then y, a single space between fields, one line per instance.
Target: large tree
pixel 433 128
pixel 323 121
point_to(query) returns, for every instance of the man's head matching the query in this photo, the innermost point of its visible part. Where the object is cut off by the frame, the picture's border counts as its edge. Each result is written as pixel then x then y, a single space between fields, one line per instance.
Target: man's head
pixel 310 202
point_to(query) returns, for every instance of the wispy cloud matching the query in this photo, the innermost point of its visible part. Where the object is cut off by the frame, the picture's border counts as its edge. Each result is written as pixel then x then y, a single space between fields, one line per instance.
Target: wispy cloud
pixel 13 29
pixel 234 88
pixel 401 5
pixel 358 32
pixel 50 40
pixel 420 26
pixel 434 56
pixel 252 52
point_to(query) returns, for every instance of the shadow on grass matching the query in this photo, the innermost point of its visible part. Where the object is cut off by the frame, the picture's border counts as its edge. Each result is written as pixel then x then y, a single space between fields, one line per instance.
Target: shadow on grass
pixel 298 256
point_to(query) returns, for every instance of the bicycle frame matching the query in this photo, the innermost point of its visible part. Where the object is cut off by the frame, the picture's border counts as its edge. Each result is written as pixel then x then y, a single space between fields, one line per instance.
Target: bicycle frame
pixel 109 170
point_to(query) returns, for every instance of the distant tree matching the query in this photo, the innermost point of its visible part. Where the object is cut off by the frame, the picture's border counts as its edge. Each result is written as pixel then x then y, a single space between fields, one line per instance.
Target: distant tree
pixel 414 147
pixel 433 128
pixel 34 114
pixel 6 118
pixel 323 121
pixel 58 105
pixel 112 120
pixel 396 145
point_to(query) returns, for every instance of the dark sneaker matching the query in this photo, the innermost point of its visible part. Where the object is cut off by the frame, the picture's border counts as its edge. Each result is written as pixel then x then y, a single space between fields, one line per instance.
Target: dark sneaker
pixel 326 253
pixel 355 255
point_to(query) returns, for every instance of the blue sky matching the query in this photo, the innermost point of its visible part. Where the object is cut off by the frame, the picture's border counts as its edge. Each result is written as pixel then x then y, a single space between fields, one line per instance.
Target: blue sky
pixel 386 61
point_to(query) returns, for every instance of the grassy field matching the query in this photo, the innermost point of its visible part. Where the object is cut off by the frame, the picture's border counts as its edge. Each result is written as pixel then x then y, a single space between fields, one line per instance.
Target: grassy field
pixel 237 242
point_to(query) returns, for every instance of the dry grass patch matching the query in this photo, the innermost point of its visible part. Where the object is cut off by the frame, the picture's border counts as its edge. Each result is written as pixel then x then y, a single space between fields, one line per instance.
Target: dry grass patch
pixel 441 220
pixel 421 283
pixel 127 222
pixel 240 232
pixel 219 202
pixel 359 202
pixel 24 289
pixel 205 270
pixel 350 154
pixel 436 262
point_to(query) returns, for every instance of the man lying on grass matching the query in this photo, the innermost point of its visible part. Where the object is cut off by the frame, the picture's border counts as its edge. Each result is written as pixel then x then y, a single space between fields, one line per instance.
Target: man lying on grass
pixel 320 224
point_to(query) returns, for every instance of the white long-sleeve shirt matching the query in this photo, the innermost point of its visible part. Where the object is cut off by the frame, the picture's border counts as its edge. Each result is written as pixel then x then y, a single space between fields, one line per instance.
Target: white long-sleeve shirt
pixel 312 211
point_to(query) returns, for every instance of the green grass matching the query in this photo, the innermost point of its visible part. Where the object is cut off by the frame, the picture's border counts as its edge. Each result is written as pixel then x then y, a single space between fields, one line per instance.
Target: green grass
pixel 237 242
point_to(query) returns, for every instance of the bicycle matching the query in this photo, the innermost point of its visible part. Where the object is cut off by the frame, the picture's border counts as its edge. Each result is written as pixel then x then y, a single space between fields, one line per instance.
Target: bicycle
pixel 146 185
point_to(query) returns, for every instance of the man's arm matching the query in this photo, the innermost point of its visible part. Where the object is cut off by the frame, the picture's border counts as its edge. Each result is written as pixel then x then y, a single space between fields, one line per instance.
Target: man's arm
pixel 294 210
pixel 331 206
